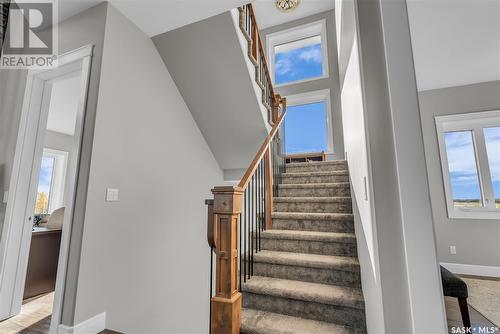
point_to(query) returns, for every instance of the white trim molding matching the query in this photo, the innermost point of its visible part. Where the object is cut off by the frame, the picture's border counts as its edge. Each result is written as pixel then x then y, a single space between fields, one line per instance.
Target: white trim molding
pixel 315 97
pixel 298 34
pixel 472 269
pixel 93 325
pixel 474 122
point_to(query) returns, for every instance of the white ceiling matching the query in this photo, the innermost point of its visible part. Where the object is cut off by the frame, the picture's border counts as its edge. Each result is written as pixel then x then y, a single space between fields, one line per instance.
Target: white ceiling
pixel 64 105
pixel 268 15
pixel 455 42
pixel 156 17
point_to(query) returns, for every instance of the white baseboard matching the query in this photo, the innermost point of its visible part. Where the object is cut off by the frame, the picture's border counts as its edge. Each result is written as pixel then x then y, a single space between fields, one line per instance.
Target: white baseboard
pixel 93 325
pixel 472 269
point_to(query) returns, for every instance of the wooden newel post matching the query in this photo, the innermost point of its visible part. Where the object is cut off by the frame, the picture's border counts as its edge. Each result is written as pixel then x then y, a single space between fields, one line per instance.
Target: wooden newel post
pixel 226 304
pixel 277 100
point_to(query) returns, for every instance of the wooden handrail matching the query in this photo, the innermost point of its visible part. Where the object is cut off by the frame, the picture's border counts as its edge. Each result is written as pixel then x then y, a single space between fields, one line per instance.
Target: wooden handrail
pixel 260 153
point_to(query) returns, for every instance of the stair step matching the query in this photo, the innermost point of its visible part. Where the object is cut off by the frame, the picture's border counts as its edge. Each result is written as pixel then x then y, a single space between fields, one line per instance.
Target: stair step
pixel 315 177
pixel 334 304
pixel 320 222
pixel 313 204
pixel 310 242
pixel 335 270
pixel 316 166
pixel 337 189
pixel 262 322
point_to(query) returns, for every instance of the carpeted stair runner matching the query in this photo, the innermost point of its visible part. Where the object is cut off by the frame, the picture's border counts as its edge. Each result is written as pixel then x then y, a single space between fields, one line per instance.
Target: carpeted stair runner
pixel 307 277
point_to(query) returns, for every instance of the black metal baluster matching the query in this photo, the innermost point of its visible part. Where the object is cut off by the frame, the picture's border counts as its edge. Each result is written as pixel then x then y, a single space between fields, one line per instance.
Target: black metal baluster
pixel 245 200
pixel 251 223
pixel 259 203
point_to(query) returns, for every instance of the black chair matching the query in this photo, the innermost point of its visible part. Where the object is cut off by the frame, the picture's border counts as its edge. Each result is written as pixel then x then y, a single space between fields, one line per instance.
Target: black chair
pixel 454 286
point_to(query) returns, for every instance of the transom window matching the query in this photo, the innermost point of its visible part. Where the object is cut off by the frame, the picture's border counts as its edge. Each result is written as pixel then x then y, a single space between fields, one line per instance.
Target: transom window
pixel 470 158
pixel 298 54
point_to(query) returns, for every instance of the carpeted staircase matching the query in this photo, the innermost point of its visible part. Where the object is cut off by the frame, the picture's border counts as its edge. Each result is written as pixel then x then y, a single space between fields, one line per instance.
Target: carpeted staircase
pixel 306 277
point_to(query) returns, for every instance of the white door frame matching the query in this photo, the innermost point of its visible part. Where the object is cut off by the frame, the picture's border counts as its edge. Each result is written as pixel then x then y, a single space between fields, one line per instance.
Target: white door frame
pixel 16 233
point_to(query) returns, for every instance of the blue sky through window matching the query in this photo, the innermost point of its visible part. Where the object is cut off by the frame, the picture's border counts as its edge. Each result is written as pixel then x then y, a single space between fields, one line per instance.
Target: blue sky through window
pixel 462 165
pixel 298 64
pixel 492 140
pixel 305 128
pixel 45 178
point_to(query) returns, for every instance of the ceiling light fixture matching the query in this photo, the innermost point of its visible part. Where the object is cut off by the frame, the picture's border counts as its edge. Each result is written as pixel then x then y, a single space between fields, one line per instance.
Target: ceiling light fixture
pixel 287 5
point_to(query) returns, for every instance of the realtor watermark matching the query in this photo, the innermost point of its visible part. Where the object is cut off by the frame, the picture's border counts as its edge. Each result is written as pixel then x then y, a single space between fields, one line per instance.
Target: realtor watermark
pixel 31 35
pixel 474 330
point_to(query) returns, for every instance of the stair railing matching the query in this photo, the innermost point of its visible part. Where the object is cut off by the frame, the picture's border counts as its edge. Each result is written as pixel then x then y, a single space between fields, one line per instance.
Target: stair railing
pixel 256 53
pixel 236 217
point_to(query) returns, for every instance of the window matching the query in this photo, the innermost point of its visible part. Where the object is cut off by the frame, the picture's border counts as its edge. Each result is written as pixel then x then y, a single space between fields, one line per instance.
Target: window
pixel 44 184
pixel 51 181
pixel 307 124
pixel 298 54
pixel 470 158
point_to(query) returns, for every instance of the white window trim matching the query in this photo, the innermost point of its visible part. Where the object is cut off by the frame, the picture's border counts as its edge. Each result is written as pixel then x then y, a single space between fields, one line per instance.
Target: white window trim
pixel 474 122
pixel 293 34
pixel 58 182
pixel 315 97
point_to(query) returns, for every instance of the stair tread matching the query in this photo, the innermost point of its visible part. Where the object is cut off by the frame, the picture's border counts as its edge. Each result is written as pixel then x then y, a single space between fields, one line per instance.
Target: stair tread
pixel 335 199
pixel 312 216
pixel 317 163
pixel 344 263
pixel 305 291
pixel 318 173
pixel 314 185
pixel 262 322
pixel 309 235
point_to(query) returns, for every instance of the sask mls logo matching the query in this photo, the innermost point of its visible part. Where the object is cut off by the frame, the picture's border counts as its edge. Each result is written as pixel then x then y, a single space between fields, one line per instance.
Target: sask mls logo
pixel 31 35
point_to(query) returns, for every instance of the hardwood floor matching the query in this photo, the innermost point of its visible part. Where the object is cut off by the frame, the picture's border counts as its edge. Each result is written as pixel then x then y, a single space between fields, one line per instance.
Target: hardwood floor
pixel 34 317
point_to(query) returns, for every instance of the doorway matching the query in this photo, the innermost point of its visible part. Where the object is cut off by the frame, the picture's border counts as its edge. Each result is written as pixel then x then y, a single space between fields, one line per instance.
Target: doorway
pixel 35 237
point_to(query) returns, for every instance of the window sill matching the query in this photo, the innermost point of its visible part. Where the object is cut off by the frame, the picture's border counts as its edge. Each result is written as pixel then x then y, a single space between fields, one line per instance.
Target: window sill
pixel 486 214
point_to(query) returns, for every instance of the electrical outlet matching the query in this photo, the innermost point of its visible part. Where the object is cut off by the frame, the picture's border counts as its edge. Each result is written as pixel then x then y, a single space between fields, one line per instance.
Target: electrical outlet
pixel 5 196
pixel 453 250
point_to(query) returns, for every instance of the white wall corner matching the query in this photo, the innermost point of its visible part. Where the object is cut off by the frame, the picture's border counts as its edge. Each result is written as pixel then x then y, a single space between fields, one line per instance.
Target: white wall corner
pixel 472 269
pixel 93 325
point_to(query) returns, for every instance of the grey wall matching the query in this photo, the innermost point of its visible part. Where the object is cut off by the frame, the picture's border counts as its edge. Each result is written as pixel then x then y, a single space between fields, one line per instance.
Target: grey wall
pixel 209 66
pixel 58 141
pixel 145 258
pixel 477 241
pixel 332 82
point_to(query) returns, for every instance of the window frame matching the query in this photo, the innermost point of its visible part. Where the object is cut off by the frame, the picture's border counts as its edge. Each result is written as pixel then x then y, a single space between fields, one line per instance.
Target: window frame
pixel 58 181
pixel 474 122
pixel 315 97
pixel 317 28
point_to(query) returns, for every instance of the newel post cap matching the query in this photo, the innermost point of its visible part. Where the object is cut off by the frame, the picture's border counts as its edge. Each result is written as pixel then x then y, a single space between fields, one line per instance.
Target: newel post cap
pixel 227 199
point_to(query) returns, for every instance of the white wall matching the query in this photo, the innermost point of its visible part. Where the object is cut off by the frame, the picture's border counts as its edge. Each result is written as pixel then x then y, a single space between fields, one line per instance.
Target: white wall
pixel 462 233
pixel 394 226
pixel 357 158
pixel 145 258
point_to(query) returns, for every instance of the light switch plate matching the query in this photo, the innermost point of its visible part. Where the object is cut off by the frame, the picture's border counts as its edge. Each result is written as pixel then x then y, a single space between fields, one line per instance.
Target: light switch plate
pixel 112 195
pixel 453 250
pixel 5 196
